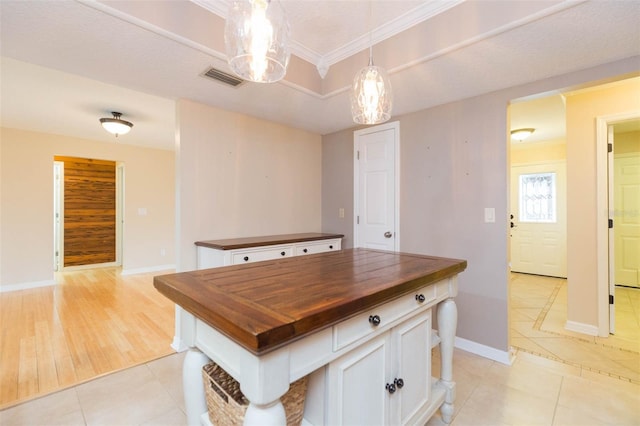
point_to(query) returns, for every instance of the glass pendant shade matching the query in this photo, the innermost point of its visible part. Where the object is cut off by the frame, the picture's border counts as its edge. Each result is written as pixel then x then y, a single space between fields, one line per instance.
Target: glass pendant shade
pixel 371 96
pixel 256 37
pixel 116 125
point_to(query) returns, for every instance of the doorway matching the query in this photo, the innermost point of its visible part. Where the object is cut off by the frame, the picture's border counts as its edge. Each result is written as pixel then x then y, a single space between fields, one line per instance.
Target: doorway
pixel 607 249
pixel 377 187
pixel 87 212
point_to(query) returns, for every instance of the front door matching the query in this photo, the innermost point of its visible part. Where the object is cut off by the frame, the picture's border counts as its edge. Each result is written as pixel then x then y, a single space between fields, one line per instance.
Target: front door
pixel 539 219
pixel 375 187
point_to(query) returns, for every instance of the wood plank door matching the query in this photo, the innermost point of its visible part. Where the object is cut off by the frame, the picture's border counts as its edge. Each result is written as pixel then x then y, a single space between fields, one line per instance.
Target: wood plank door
pixel 89 211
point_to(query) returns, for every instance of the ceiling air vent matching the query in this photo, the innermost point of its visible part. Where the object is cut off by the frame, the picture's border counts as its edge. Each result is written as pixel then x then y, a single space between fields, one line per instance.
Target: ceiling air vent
pixel 222 77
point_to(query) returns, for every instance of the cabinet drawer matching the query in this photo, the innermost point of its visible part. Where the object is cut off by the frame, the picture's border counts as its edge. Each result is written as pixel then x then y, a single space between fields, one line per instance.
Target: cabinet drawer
pixel 247 256
pixel 362 325
pixel 316 247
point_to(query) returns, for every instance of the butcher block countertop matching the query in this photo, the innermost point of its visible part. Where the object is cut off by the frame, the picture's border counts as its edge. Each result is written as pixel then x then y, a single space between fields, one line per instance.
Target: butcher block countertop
pixel 265 305
pixel 267 240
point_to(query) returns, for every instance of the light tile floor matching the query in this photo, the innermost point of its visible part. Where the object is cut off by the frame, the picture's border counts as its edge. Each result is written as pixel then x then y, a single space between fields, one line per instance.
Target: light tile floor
pixel 532 391
pixel 535 390
pixel 539 312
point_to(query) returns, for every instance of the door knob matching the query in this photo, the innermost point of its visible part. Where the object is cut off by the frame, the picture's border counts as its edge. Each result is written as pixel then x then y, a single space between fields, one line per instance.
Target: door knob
pixel 388 234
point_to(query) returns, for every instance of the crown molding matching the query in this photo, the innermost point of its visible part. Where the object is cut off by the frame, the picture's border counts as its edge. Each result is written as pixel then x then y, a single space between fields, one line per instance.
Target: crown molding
pixel 389 29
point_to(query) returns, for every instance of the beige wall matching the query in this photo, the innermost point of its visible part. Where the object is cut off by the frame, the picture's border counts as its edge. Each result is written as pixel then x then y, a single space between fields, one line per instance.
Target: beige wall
pixel 27 202
pixel 454 163
pixel 582 262
pixel 538 152
pixel 241 176
pixel 626 142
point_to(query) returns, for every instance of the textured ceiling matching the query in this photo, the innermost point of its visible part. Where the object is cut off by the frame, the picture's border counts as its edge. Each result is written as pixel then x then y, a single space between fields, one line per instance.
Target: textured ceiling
pixel 67 63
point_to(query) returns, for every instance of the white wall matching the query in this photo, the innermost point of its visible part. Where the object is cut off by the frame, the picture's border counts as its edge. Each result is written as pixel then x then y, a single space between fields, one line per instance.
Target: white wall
pixel 27 203
pixel 240 176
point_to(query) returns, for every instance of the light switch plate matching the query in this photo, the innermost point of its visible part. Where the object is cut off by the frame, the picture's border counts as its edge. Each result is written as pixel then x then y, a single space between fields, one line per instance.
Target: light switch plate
pixel 489 215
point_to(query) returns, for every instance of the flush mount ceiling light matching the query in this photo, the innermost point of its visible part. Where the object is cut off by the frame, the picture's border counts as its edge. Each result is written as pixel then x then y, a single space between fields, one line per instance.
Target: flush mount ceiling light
pixel 256 37
pixel 371 96
pixel 521 134
pixel 116 125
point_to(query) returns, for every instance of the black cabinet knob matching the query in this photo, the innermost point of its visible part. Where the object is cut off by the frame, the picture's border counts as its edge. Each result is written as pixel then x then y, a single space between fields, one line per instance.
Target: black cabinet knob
pixel 374 320
pixel 420 298
pixel 305 250
pixel 246 258
pixel 330 247
pixel 399 383
pixel 390 387
pixel 282 253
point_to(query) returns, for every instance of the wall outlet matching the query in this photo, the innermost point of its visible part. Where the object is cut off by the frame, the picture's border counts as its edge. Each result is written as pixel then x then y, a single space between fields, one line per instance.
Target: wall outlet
pixel 142 211
pixel 163 252
pixel 341 212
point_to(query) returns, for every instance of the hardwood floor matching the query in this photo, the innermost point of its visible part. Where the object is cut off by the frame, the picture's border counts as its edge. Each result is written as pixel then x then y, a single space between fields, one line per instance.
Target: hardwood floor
pixel 92 323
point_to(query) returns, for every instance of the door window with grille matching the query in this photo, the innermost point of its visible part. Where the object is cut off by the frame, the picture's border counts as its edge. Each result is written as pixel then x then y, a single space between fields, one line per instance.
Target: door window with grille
pixel 538 197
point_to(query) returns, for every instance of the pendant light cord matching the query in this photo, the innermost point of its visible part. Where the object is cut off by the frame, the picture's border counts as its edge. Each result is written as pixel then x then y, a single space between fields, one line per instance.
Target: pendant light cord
pixel 371 33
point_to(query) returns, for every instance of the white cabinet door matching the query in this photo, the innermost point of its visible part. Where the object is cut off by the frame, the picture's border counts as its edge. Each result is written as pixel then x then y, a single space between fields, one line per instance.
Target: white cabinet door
pixel 358 381
pixel 356 390
pixel 411 341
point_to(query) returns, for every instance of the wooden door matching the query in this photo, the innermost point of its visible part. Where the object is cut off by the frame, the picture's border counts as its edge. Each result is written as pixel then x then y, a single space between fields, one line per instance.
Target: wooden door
pixel 375 187
pixel 89 211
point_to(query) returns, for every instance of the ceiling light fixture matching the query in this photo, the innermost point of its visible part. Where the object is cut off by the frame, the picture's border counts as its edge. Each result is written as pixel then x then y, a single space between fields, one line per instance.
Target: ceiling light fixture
pixel 371 95
pixel 116 125
pixel 522 134
pixel 256 37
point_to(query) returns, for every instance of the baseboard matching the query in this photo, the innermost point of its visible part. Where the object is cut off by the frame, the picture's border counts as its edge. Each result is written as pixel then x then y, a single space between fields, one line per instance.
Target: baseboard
pixel 26 286
pixel 579 327
pixel 90 266
pixel 178 345
pixel 148 269
pixel 503 357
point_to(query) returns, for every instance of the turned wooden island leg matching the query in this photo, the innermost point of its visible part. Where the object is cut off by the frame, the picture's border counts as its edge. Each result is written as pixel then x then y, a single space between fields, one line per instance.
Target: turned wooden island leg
pixel 447 323
pixel 193 387
pixel 265 415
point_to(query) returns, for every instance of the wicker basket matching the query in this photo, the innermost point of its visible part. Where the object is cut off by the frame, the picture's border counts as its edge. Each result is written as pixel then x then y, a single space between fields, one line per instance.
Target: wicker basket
pixel 226 404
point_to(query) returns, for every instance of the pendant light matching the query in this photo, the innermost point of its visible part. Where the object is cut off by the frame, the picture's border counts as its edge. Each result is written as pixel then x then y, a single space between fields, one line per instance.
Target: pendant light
pixel 371 96
pixel 116 125
pixel 256 37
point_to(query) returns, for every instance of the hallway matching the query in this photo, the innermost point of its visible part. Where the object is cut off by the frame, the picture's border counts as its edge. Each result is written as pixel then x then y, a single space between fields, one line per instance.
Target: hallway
pixel 538 312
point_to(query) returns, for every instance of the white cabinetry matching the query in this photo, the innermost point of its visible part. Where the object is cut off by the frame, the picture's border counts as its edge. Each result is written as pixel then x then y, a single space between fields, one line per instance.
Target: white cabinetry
pixel 389 375
pixel 212 254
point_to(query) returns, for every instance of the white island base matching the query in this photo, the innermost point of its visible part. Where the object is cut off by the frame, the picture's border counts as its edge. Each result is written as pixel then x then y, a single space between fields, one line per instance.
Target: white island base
pixel 359 373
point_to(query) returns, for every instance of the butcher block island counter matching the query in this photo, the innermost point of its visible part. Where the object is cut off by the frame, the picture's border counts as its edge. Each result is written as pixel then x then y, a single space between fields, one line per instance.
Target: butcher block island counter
pixel 356 321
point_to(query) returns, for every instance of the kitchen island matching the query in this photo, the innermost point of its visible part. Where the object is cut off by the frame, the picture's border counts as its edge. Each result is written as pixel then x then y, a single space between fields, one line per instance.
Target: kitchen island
pixel 357 322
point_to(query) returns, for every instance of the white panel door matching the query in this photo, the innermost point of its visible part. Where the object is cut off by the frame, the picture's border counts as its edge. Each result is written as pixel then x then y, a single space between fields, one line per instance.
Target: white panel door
pixel 357 380
pixel 375 187
pixel 626 220
pixel 539 222
pixel 412 340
